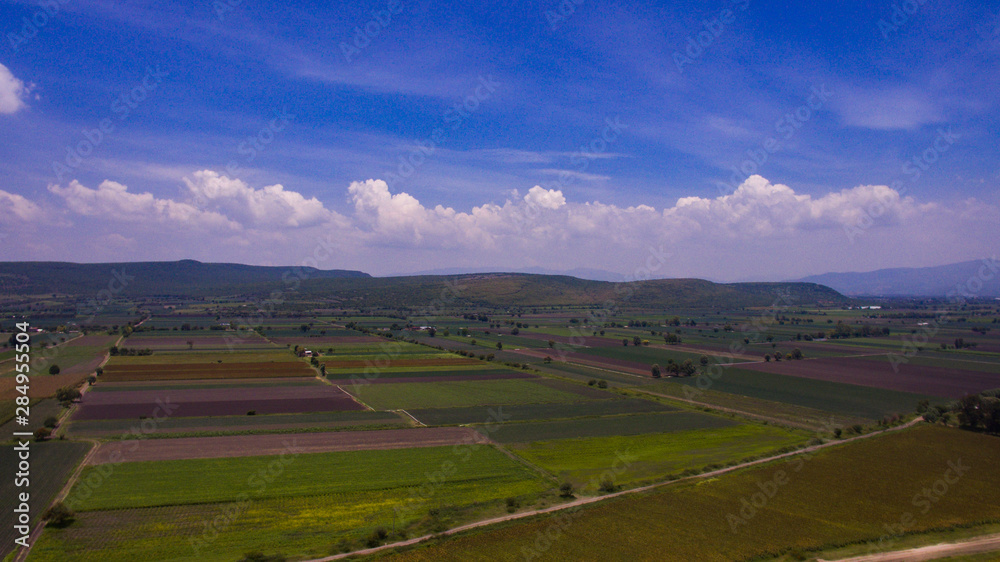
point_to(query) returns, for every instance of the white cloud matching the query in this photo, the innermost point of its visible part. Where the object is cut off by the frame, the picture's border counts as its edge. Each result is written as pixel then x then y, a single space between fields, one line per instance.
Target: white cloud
pixel 12 91
pixel 545 198
pixel 271 206
pixel 887 108
pixel 15 205
pixel 762 228
pixel 112 202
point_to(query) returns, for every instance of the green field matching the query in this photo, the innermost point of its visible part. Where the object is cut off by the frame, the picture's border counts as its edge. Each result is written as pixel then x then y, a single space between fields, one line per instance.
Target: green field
pixel 844 399
pixel 650 355
pixel 608 426
pixel 522 412
pixel 190 481
pixel 394 396
pixel 655 456
pixel 303 508
pixel 399 372
pixel 838 496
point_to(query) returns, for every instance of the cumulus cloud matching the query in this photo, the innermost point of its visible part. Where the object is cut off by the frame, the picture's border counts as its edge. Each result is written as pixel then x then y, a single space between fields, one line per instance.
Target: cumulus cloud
pixel 113 202
pixel 12 91
pixel 272 205
pixel 545 198
pixel 17 206
pixel 390 232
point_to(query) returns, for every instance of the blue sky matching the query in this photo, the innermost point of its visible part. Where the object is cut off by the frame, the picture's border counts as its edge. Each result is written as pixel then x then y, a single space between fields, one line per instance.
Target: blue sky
pixel 742 139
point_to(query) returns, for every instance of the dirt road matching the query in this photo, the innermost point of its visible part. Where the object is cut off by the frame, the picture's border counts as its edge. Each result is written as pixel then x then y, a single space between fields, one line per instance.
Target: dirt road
pixel 988 543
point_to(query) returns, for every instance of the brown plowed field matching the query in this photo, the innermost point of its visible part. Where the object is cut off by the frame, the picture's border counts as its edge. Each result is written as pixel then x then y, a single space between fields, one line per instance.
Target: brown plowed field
pixel 213 402
pixel 160 372
pixel 260 445
pixel 935 381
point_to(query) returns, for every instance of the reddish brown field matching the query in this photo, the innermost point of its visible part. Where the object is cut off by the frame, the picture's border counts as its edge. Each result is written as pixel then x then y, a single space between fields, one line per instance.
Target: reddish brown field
pixel 259 445
pixel 213 402
pixel 332 363
pixel 42 386
pixel 177 371
pixel 935 381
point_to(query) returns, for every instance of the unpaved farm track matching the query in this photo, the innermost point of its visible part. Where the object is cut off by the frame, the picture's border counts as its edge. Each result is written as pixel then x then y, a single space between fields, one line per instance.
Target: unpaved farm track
pixel 988 543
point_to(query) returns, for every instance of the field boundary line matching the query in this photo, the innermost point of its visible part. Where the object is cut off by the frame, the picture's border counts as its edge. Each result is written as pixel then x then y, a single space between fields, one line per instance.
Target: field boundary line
pixel 355 398
pixel 412 417
pixel 595 499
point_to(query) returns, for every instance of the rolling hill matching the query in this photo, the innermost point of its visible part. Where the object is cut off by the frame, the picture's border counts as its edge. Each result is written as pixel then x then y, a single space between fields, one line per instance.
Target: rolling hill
pixel 359 290
pixel 972 278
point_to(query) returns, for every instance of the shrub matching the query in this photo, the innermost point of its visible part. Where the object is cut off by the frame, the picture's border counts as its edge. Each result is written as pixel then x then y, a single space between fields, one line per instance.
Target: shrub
pixel 602 384
pixel 376 537
pixel 58 516
pixel 261 557
pixel 566 490
pixel 608 485
pixel 54 370
pixel 50 422
pixel 42 433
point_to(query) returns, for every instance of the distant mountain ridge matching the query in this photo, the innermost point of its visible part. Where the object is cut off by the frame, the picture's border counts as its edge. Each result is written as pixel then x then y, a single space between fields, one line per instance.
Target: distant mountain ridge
pixel 971 278
pixel 355 289
pixel 152 278
pixel 579 272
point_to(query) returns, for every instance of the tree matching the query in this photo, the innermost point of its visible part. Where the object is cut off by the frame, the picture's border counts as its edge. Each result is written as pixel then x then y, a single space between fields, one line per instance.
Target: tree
pixel 602 384
pixel 42 433
pixel 703 360
pixel 54 370
pixel 499 345
pixel 432 332
pixel 655 370
pixel 67 394
pixel 625 342
pixel 190 344
pixel 58 516
pixel 970 412
pixel 552 343
pixel 636 341
pixel 51 422
pixel 796 353
pixel 767 357
pixel 688 368
pixel 547 359
pixel 566 490
pixel 608 485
